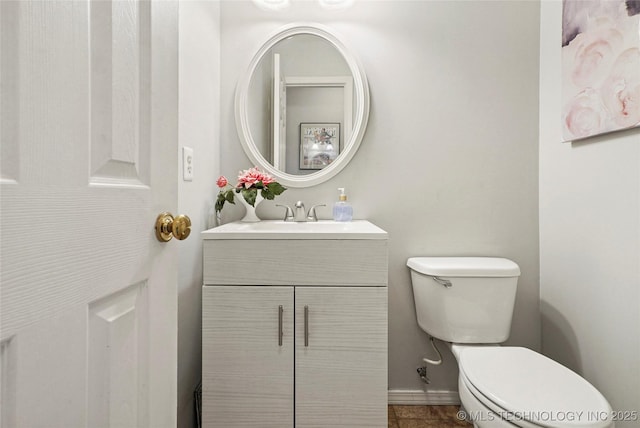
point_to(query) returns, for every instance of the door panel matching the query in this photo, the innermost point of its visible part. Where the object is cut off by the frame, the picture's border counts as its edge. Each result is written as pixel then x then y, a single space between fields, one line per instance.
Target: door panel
pixel 341 376
pixel 89 144
pixel 120 60
pixel 119 324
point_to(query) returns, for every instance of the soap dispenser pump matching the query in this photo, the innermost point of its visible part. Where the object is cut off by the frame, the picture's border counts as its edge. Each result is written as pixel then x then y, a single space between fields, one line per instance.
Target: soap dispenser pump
pixel 342 210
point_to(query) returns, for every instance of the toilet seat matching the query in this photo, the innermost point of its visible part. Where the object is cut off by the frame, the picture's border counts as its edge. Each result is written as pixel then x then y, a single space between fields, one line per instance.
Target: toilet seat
pixel 483 412
pixel 531 390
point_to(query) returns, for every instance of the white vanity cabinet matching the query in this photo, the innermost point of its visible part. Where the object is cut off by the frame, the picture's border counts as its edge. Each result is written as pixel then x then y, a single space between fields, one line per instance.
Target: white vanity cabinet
pixel 301 340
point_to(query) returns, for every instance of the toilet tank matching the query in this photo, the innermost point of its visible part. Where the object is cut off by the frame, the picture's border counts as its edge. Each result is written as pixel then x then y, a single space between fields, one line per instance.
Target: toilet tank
pixel 464 299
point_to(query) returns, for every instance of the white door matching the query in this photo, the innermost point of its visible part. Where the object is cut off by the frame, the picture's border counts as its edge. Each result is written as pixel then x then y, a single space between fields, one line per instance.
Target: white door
pixel 88 132
pixel 279 125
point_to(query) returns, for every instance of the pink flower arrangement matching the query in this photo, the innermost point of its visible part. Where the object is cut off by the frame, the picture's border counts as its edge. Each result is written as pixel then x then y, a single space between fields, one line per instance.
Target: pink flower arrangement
pixel 250 181
pixel 252 176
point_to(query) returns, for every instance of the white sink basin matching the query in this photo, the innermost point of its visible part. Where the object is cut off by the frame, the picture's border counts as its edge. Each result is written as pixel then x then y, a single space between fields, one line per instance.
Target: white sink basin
pixel 278 229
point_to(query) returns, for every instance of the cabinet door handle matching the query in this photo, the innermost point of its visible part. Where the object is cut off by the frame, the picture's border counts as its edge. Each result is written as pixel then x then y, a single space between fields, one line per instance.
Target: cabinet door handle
pixel 280 333
pixel 306 325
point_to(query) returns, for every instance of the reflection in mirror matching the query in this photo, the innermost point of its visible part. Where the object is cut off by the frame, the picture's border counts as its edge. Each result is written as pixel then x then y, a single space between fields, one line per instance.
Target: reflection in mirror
pixel 302 109
pixel 301 80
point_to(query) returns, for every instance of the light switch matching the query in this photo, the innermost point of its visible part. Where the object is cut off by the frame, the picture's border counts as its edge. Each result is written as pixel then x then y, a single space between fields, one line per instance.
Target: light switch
pixel 187 164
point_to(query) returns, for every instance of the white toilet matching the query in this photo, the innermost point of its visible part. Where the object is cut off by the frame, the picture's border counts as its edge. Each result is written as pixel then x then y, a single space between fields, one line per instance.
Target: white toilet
pixel 468 302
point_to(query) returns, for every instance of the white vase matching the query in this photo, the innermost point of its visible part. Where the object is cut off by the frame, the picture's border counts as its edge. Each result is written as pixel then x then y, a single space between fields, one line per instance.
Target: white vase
pixel 250 215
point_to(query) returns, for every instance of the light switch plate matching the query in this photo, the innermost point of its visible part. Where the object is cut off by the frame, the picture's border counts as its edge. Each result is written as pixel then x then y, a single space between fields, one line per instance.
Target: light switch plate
pixel 187 164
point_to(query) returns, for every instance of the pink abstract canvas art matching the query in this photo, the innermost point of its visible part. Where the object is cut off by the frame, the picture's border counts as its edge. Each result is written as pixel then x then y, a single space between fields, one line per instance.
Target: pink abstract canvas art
pixel 600 67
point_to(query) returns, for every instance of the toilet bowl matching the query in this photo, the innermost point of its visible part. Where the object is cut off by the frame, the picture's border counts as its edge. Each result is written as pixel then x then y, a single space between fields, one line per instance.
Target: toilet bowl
pixel 514 386
pixel 468 303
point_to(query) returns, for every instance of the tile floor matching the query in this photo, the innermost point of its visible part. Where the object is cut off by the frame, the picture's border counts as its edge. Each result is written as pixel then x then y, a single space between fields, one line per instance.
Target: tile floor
pixel 425 417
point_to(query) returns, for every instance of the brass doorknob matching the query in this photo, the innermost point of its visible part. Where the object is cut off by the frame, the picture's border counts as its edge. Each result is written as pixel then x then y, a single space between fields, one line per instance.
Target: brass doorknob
pixel 167 227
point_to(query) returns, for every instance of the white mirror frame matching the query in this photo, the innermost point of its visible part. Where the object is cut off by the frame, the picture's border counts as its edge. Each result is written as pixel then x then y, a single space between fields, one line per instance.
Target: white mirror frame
pixel 361 89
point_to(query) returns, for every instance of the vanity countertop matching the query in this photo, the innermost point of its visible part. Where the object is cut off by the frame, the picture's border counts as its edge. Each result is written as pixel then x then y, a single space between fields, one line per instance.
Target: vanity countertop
pixel 278 229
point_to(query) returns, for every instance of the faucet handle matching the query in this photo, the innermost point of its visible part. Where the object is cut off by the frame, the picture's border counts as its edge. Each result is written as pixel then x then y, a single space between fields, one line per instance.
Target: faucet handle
pixel 288 216
pixel 312 212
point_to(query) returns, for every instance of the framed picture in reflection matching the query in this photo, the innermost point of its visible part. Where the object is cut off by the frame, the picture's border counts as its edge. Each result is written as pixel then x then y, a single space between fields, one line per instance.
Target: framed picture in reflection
pixel 319 144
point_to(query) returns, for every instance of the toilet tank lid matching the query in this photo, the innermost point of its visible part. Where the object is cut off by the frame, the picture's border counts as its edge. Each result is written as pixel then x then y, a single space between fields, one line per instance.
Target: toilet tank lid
pixel 464 266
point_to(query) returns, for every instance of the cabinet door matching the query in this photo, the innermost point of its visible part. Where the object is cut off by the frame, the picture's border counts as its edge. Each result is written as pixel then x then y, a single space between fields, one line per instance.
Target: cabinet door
pixel 247 375
pixel 341 371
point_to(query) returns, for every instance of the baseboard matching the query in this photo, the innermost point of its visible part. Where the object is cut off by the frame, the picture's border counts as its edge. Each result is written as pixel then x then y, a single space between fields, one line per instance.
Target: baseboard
pixel 420 397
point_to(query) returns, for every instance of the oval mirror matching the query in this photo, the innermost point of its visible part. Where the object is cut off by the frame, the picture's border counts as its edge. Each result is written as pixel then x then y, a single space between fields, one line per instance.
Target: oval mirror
pixel 303 105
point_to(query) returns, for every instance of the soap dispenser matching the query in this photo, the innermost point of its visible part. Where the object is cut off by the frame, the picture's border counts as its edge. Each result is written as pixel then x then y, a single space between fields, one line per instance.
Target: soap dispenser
pixel 342 210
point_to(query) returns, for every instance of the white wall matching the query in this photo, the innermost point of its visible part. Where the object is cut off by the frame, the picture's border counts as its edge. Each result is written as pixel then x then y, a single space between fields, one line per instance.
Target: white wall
pixel 589 242
pixel 449 163
pixel 199 112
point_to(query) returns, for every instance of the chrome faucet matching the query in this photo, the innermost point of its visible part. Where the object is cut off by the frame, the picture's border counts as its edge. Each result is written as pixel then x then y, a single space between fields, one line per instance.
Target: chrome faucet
pixel 299 214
